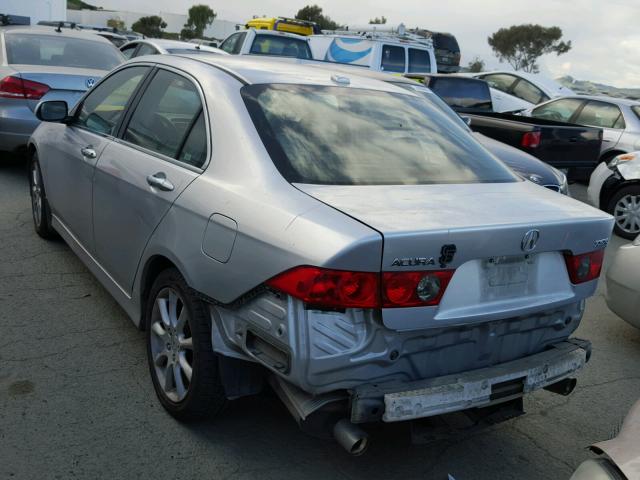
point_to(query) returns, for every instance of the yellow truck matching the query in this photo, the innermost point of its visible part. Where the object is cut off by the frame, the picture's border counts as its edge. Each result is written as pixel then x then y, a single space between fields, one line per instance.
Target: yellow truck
pixel 283 24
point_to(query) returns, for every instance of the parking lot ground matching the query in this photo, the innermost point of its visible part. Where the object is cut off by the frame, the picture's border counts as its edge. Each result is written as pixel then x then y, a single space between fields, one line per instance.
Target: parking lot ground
pixel 76 400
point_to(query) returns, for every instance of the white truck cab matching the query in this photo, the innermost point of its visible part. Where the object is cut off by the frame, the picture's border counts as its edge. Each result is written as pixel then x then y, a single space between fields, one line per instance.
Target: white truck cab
pixel 393 52
pixel 267 42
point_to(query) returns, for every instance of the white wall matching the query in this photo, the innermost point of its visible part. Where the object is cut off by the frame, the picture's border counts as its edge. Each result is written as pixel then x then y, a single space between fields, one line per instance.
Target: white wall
pixel 219 29
pixel 36 9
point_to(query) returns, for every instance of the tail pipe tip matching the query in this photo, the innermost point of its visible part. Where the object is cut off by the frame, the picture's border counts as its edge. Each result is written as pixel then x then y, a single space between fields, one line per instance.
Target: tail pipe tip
pixel 351 437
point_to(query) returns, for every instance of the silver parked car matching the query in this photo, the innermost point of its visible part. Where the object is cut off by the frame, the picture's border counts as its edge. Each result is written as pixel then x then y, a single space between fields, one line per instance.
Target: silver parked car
pixel 623 283
pixel 45 63
pixel 619 119
pixel 159 46
pixel 266 220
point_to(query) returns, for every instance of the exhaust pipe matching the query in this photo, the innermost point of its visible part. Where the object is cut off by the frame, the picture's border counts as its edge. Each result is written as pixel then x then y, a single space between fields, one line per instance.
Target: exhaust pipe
pixel 563 387
pixel 351 437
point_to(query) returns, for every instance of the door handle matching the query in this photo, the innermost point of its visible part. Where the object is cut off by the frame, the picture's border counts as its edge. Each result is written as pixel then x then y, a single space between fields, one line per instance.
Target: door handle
pixel 159 180
pixel 88 152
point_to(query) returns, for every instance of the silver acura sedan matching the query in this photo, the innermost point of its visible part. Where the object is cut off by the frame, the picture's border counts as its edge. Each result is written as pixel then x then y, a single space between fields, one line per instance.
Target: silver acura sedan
pixel 268 221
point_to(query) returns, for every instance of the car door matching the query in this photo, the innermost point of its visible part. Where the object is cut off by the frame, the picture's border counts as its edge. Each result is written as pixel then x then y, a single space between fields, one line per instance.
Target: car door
pixel 139 176
pixel 74 157
pixel 603 115
pixel 502 99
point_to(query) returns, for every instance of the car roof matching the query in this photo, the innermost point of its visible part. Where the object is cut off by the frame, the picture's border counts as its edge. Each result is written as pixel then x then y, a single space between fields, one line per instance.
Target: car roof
pixel 166 44
pixel 48 30
pixel 257 69
pixel 603 98
pixel 277 33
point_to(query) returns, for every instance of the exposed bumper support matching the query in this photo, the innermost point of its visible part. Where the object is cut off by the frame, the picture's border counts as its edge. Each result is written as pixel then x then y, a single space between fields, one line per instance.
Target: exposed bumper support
pixel 477 388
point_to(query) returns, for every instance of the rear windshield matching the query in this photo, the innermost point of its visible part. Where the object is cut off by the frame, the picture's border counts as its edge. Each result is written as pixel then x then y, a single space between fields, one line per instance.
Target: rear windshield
pixel 445 42
pixel 58 51
pixel 462 93
pixel 347 136
pixel 280 46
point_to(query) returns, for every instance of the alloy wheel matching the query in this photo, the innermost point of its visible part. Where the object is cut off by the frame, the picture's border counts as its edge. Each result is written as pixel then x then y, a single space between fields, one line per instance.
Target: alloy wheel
pixel 627 214
pixel 171 344
pixel 36 194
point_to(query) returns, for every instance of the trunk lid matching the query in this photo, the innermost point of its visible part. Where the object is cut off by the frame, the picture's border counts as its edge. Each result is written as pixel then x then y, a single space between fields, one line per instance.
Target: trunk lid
pixel 65 83
pixel 483 222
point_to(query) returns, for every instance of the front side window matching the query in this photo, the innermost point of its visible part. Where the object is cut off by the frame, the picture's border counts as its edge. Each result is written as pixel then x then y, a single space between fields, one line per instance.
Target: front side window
pixel 559 110
pixel 281 47
pixel 600 114
pixel 419 61
pixel 348 136
pixel 499 81
pixel 128 50
pixel 528 92
pixel 60 51
pixel 167 110
pixel 393 59
pixel 233 44
pixel 102 109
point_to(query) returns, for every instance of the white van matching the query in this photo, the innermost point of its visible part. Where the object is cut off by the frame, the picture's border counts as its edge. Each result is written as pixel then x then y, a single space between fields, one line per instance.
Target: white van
pixel 393 53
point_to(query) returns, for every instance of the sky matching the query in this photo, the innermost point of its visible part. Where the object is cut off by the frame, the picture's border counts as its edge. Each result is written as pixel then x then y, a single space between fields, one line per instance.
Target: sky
pixel 604 34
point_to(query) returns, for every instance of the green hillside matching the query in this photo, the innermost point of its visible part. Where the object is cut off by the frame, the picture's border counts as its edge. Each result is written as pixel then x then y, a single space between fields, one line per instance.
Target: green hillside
pixel 79 5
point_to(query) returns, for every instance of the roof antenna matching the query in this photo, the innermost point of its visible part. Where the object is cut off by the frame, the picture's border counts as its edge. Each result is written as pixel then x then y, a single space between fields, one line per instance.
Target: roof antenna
pixel 59 29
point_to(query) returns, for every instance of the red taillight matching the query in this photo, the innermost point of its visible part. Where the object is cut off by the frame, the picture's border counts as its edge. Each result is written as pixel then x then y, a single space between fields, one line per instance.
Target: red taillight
pixel 327 288
pixel 531 140
pixel 16 87
pixel 330 288
pixel 413 289
pixel 585 267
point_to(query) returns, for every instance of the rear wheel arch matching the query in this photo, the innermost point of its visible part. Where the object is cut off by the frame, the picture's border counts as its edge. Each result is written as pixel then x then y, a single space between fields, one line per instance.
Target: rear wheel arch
pixel 154 266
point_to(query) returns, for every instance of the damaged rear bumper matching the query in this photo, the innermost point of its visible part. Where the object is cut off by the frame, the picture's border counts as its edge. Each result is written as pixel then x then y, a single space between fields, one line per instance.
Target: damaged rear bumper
pixel 476 388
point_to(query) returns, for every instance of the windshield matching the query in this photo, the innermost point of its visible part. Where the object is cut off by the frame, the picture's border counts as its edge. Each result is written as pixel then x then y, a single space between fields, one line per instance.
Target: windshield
pixel 50 50
pixel 280 46
pixel 347 136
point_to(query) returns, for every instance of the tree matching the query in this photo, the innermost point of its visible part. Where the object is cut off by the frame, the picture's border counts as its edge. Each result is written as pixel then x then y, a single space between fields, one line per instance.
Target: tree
pixel 476 65
pixel 313 13
pixel 200 17
pixel 116 23
pixel 150 26
pixel 378 21
pixel 522 45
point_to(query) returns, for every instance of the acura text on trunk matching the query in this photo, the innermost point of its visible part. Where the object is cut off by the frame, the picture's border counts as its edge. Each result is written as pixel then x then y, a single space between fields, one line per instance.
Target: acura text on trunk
pixel 337 236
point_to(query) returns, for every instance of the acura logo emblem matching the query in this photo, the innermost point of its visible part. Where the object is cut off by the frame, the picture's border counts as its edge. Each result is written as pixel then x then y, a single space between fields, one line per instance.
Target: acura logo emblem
pixel 90 82
pixel 530 240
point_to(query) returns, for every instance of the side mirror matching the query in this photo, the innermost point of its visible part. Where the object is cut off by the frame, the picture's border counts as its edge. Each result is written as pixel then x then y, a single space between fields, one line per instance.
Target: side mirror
pixel 52 111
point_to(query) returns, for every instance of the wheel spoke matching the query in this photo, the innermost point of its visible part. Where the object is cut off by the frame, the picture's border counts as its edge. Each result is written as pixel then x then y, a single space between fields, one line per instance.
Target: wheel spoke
pixel 186 368
pixel 173 308
pixel 164 312
pixel 177 378
pixel 186 343
pixel 158 329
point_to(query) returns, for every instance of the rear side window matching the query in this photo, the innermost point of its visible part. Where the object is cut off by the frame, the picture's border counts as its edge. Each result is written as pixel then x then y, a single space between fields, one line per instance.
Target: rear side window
pixel 128 50
pixel 600 114
pixel 499 81
pixel 528 92
pixel 194 150
pixel 102 109
pixel 233 44
pixel 348 136
pixel 419 61
pixel 559 110
pixel 167 110
pixel 280 46
pixel 49 50
pixel 462 93
pixel 636 111
pixel 393 59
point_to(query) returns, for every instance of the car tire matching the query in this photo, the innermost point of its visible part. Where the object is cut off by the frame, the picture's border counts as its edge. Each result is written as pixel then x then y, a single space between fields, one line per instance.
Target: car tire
pixel 626 201
pixel 182 363
pixel 39 203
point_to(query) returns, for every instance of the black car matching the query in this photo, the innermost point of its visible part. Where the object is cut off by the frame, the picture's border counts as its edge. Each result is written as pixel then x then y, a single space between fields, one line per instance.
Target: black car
pixel 447 52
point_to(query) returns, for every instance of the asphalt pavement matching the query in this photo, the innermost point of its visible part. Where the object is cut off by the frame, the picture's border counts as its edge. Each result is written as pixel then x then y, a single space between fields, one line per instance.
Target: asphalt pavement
pixel 76 400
